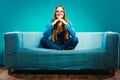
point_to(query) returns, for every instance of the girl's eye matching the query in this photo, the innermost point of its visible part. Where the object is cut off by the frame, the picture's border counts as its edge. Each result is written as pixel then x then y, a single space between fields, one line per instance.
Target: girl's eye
pixel 59 11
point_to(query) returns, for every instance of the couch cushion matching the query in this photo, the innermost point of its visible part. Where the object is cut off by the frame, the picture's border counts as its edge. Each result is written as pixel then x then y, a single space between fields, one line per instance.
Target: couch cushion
pixel 31 39
pixel 88 40
pixel 60 59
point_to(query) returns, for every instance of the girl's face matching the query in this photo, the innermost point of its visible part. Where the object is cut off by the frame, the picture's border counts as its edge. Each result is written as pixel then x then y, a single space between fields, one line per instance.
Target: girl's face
pixel 59 12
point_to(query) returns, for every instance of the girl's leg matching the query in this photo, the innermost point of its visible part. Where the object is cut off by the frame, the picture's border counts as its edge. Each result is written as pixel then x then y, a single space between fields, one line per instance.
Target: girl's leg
pixel 48 44
pixel 72 42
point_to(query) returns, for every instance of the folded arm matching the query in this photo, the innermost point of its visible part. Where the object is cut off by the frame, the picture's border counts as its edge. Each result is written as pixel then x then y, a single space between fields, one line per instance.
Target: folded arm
pixel 48 30
pixel 71 29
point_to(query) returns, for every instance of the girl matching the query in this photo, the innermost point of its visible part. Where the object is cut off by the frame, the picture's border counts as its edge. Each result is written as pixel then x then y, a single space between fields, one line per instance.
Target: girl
pixel 60 33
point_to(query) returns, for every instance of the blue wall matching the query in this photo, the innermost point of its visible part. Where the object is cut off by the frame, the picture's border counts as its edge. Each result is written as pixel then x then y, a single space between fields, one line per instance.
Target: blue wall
pixel 33 15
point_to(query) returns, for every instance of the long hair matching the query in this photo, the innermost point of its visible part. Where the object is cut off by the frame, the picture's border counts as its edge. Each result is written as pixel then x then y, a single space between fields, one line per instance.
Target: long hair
pixel 65 31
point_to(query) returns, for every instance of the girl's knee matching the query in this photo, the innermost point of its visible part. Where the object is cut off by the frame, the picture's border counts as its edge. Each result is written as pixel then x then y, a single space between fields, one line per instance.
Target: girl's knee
pixel 75 39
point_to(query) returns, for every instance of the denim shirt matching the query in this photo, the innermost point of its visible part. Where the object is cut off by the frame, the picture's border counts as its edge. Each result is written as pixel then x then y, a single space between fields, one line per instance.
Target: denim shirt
pixel 48 30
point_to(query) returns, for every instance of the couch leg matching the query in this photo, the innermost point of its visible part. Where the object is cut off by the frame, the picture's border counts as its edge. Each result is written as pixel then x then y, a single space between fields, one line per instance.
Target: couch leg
pixel 112 72
pixel 10 70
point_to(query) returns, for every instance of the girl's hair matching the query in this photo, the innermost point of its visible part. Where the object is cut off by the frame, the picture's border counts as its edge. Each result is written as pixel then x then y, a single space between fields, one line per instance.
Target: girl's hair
pixel 65 31
pixel 64 17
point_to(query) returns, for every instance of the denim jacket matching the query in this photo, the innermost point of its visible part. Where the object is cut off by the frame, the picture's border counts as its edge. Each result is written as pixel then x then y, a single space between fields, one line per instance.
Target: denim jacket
pixel 48 30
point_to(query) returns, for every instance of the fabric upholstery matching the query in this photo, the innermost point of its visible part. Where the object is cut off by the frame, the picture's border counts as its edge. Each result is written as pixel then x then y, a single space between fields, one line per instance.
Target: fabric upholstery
pixel 95 50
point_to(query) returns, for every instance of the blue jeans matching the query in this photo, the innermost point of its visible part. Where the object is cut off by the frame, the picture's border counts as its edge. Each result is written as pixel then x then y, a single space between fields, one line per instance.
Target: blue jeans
pixel 46 43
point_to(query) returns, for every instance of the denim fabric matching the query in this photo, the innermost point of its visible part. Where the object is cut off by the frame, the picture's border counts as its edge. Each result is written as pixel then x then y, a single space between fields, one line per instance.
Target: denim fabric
pixel 48 30
pixel 46 43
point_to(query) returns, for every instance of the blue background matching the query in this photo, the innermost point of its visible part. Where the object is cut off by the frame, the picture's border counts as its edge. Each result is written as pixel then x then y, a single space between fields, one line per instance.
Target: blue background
pixel 33 15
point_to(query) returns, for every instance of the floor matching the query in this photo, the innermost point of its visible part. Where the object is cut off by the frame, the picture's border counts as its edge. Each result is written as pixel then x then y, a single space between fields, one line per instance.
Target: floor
pixel 35 75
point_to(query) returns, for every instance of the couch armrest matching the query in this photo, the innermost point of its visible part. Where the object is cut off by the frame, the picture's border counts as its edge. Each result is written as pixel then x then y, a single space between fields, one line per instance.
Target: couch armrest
pixel 13 41
pixel 112 43
pixel 112 46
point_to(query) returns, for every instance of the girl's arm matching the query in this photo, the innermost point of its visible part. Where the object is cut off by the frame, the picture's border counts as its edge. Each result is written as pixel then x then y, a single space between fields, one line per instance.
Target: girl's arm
pixel 48 30
pixel 71 29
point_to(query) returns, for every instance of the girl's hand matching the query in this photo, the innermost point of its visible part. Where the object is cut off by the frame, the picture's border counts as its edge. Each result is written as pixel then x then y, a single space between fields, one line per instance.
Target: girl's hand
pixel 63 21
pixel 55 21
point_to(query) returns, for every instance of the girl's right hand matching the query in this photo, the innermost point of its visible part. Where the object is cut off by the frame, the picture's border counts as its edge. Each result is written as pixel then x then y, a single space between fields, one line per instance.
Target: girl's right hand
pixel 55 21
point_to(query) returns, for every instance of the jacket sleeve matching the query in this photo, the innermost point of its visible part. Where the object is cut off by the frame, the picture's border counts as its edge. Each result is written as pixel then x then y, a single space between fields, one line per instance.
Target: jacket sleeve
pixel 71 29
pixel 48 30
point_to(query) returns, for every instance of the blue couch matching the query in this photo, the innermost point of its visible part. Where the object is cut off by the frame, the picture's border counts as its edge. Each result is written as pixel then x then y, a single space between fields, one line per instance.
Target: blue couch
pixel 95 50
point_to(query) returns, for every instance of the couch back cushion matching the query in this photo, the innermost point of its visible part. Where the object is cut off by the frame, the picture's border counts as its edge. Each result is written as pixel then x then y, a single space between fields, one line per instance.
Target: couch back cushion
pixel 91 40
pixel 87 40
pixel 31 39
